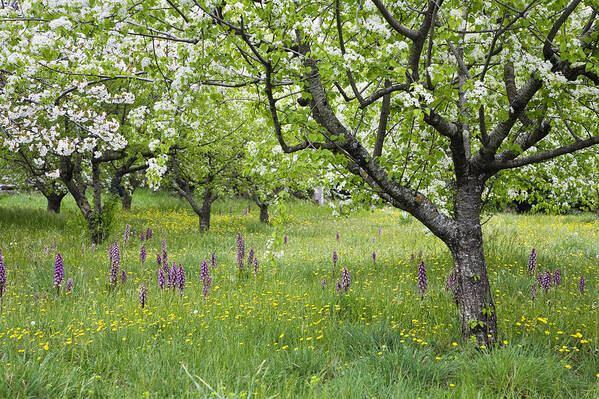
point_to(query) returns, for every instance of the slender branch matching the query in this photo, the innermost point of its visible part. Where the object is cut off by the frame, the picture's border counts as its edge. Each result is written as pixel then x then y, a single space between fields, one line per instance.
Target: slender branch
pixel 350 76
pixel 402 30
pixel 547 155
pixel 387 90
pixel 482 126
pixel 277 123
pixel 548 50
pixel 178 11
pixel 503 128
pixel 383 119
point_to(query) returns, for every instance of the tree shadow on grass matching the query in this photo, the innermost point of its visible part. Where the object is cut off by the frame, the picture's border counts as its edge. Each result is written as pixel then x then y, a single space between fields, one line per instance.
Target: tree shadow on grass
pixel 31 218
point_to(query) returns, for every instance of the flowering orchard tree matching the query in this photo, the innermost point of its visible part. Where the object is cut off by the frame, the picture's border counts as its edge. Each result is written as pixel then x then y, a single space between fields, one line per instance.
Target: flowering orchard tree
pixel 207 153
pixel 65 101
pixel 269 175
pixel 29 174
pixel 67 138
pixel 430 106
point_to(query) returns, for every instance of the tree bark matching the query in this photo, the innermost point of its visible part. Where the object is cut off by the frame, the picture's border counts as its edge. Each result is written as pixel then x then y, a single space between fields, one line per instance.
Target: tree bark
pixel 69 176
pixel 127 199
pixel 134 182
pixel 474 296
pixel 204 214
pixel 264 216
pixel 52 194
pixel 54 201
pixel 96 185
pixel 263 205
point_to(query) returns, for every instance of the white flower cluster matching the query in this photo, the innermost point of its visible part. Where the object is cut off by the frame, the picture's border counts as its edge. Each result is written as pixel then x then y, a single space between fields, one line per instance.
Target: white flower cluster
pixel 156 169
pixel 137 116
pixel 478 92
pixel 60 22
pixel 375 24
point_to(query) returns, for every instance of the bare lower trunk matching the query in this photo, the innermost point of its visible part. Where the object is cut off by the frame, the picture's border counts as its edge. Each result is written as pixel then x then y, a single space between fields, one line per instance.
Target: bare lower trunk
pixel 479 319
pixel 134 183
pixel 263 205
pixel 264 217
pixel 205 211
pixel 69 175
pixel 54 201
pixel 127 199
pixel 52 193
pixel 204 218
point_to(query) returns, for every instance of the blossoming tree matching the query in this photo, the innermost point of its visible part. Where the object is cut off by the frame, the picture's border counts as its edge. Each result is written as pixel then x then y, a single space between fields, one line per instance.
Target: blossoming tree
pixel 64 104
pixel 207 153
pixel 429 105
pixel 270 175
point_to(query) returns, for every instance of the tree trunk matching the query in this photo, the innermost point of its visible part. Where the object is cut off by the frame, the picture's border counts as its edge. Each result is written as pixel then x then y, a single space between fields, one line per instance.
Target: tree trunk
pixel 52 193
pixel 96 186
pixel 205 211
pixel 264 217
pixel 204 214
pixel 205 218
pixel 69 172
pixel 54 201
pixel 127 199
pixel 475 301
pixel 134 183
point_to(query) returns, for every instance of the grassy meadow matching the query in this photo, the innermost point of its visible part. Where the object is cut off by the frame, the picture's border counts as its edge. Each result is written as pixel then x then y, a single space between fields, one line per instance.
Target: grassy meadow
pixel 283 332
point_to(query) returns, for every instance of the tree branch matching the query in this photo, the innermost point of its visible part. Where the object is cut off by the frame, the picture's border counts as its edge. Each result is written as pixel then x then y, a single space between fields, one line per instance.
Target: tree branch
pixel 547 155
pixel 503 128
pixel 402 30
pixel 382 127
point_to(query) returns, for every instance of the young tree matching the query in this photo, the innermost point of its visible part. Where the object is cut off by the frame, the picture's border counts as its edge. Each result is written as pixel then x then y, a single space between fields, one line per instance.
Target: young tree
pixel 42 177
pixel 207 150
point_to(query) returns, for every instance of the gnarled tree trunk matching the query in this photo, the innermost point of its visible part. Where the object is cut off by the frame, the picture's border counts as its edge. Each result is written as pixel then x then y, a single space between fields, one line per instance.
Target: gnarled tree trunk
pixel 203 211
pixel 54 200
pixel 263 205
pixel 70 176
pixel 52 193
pixel 477 309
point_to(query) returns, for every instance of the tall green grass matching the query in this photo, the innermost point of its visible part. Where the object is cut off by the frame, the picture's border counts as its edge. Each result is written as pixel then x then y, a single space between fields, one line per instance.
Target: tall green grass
pixel 280 333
